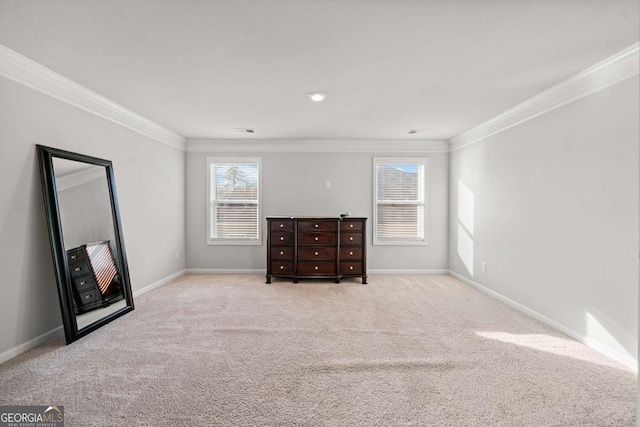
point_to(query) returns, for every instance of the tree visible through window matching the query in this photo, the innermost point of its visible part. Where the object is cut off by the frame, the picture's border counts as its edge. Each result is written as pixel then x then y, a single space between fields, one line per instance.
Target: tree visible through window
pixel 234 201
pixel 399 205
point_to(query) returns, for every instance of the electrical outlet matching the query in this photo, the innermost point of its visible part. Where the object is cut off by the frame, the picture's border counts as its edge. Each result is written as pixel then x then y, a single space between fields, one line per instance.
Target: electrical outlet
pixel 483 267
pixel 327 184
pixel 176 256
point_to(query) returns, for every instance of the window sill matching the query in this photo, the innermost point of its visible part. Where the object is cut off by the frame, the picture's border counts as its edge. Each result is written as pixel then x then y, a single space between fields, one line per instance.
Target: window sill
pixel 233 243
pixel 400 243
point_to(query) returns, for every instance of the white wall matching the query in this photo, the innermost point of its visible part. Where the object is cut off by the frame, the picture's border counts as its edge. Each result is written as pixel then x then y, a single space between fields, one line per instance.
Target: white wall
pixel 293 184
pixel 556 216
pixel 85 212
pixel 150 184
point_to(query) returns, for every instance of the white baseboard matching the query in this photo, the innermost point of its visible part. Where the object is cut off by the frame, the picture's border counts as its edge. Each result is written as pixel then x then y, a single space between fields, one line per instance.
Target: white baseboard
pixel 626 360
pixel 47 336
pixel 34 342
pixel 405 271
pixel 263 271
pixel 227 270
pixel 157 284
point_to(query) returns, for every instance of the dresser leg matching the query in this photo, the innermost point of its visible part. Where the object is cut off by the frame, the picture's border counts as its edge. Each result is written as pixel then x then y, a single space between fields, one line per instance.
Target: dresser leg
pixel 268 279
pixel 364 280
pixel 338 280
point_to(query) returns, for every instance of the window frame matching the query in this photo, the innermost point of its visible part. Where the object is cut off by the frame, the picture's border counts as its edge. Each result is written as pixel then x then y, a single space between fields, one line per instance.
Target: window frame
pixel 424 161
pixel 209 202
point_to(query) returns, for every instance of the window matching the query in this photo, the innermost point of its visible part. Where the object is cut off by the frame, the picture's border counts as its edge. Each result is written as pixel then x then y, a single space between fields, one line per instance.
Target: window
pixel 233 197
pixel 399 209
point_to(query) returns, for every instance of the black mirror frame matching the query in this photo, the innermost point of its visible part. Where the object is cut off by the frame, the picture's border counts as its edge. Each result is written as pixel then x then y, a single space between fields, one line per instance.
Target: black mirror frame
pixel 49 192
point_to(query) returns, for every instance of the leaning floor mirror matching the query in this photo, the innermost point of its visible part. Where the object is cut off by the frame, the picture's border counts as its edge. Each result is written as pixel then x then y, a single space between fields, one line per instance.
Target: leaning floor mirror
pixel 86 240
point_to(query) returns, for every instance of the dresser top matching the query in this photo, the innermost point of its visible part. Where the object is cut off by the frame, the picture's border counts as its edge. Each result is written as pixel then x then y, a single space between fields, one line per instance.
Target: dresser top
pixel 317 217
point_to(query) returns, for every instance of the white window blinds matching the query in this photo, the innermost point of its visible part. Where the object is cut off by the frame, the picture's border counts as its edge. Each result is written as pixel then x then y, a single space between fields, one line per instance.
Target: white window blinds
pixel 234 201
pixel 399 201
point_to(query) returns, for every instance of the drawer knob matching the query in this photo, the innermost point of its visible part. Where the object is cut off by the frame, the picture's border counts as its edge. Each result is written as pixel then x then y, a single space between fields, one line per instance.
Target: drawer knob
pixel 350 252
pixel 316 253
pixel 282 267
pixel 351 225
pixel 316 238
pixel 316 225
pixel 351 267
pixel 87 296
pixel 316 267
pixel 281 252
pixel 350 238
pixel 83 282
pixel 282 238
pixel 74 256
pixel 77 269
pixel 281 225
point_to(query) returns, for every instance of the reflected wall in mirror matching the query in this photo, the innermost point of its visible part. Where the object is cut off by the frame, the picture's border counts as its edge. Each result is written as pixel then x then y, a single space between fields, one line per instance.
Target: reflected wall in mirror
pixel 86 240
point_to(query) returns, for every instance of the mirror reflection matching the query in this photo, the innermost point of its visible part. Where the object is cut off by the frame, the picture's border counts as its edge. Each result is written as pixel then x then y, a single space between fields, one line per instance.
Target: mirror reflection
pixel 88 232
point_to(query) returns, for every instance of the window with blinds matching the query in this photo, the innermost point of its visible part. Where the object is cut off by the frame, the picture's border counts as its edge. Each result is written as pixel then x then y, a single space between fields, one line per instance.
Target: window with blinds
pixel 234 200
pixel 399 205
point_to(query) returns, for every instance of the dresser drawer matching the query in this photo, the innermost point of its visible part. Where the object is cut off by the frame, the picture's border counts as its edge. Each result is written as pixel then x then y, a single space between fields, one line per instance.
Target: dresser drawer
pixel 350 267
pixel 317 238
pixel 282 239
pixel 283 252
pixel 284 225
pixel 350 225
pixel 79 268
pixel 84 283
pixel 281 267
pixel 317 225
pixel 75 255
pixel 89 296
pixel 351 238
pixel 348 253
pixel 317 253
pixel 311 268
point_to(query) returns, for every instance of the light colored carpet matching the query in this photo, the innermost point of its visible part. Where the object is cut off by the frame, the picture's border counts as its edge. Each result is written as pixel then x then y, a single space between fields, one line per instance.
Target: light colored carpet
pixel 404 350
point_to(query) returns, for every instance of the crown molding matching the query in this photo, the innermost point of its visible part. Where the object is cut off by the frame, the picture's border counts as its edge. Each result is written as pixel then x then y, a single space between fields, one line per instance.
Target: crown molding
pixel 84 176
pixel 608 72
pixel 315 146
pixel 23 70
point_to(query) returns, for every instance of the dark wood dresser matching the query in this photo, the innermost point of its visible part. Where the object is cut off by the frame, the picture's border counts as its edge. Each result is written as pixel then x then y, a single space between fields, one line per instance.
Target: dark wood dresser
pixel 94 277
pixel 307 247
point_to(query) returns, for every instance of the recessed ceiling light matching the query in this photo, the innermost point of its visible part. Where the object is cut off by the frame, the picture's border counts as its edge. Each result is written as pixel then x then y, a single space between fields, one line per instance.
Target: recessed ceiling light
pixel 415 131
pixel 317 96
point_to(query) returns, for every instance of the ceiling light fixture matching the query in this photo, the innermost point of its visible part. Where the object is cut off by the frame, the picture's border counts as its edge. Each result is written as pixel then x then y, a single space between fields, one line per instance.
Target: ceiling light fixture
pixel 317 96
pixel 415 131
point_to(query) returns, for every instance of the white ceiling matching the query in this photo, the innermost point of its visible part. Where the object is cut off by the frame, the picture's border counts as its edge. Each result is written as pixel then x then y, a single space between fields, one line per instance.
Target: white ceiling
pixel 203 68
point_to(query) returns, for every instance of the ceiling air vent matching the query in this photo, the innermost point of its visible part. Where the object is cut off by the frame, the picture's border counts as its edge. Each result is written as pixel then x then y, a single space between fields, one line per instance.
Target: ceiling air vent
pixel 245 130
pixel 415 131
